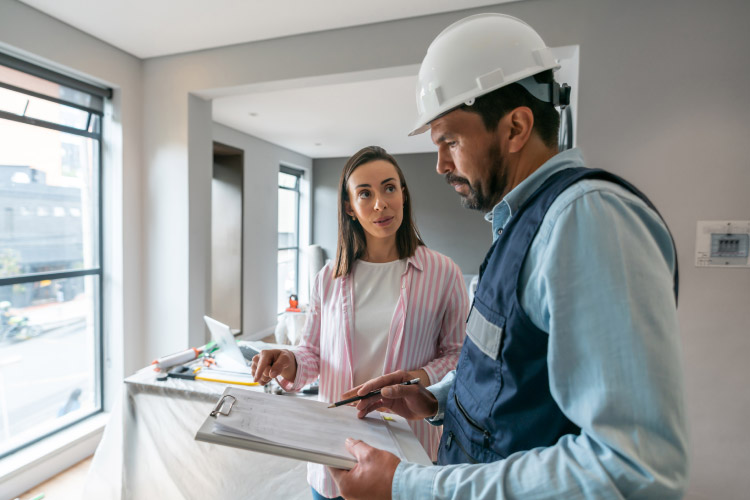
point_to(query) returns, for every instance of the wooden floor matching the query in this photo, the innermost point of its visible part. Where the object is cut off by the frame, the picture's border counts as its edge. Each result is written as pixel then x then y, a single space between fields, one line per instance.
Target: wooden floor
pixel 67 485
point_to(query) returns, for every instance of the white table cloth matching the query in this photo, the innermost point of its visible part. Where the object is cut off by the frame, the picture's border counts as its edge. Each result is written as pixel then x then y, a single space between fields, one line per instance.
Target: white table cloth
pixel 148 450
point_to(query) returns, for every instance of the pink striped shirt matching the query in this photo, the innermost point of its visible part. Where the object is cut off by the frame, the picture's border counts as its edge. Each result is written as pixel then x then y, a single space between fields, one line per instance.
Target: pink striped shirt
pixel 427 332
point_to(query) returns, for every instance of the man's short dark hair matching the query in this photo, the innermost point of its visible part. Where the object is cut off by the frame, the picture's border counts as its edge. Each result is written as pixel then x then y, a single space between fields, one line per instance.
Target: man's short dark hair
pixel 493 106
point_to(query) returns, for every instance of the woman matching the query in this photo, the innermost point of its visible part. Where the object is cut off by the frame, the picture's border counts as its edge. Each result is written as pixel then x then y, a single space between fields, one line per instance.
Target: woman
pixel 387 303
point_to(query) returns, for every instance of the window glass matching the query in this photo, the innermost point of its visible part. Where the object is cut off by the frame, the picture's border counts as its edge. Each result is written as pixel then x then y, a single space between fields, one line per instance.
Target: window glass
pixel 288 208
pixel 47 356
pixel 48 196
pixel 287 277
pixel 25 105
pixel 38 85
pixel 288 180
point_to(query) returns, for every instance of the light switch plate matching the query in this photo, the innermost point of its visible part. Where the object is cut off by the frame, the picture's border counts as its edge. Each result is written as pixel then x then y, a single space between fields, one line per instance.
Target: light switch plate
pixel 722 243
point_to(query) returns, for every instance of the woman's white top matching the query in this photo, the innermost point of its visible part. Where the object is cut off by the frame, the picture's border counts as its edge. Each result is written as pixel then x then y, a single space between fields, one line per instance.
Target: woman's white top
pixel 377 287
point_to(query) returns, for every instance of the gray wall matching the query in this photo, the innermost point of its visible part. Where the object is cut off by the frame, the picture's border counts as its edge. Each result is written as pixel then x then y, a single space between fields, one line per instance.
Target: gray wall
pixel 461 234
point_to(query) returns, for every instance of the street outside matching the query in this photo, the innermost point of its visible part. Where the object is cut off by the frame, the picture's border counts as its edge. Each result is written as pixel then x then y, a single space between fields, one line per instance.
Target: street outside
pixel 38 375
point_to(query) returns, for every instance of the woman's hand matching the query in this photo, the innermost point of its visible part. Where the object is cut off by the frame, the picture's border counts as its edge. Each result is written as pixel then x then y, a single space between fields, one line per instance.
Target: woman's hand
pixel 271 363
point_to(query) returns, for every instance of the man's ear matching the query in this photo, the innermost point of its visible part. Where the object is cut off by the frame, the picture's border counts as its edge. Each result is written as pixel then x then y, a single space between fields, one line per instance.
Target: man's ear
pixel 521 125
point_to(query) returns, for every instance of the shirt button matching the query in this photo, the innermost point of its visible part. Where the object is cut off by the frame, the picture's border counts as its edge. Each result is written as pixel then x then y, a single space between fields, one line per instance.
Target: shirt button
pixel 499 232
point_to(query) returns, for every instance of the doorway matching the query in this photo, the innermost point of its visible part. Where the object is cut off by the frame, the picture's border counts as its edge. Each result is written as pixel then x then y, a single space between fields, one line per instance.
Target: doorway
pixel 226 235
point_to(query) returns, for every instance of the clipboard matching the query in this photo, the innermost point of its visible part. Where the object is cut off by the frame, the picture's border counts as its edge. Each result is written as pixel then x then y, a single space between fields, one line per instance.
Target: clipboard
pixel 243 414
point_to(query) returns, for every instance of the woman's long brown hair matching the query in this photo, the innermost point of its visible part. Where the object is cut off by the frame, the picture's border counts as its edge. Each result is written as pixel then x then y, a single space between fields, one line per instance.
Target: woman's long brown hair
pixel 351 239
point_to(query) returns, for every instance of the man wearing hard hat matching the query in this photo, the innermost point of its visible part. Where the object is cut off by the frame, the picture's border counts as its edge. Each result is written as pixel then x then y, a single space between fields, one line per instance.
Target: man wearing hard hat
pixel 569 384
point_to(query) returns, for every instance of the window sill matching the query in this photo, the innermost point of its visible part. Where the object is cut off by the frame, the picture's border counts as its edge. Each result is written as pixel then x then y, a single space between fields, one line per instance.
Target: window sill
pixel 36 463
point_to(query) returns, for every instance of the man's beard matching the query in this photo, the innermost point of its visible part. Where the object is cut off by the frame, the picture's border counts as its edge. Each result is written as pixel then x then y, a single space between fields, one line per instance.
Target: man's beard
pixel 481 197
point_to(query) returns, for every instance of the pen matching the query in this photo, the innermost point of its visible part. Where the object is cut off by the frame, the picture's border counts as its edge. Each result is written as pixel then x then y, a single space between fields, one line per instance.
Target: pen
pixel 370 394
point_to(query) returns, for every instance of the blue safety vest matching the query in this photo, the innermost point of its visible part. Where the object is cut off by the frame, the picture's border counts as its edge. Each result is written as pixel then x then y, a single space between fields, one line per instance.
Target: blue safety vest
pixel 500 402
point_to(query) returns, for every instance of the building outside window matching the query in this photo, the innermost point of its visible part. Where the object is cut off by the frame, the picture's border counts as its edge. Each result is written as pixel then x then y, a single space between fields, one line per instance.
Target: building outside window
pixel 50 252
pixel 289 240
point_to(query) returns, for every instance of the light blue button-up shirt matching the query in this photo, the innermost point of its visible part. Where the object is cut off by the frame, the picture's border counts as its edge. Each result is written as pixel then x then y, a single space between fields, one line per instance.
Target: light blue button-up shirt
pixel 599 279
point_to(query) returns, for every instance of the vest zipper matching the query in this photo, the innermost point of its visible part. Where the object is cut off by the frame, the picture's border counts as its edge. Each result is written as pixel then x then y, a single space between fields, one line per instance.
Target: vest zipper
pixel 458 443
pixel 471 421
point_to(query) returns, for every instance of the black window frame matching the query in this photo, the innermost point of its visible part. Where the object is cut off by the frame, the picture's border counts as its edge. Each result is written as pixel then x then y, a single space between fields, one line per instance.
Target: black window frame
pixel 98 95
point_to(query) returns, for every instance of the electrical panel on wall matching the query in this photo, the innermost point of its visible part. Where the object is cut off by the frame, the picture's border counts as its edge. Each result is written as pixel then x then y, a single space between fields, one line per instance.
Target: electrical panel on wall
pixel 722 243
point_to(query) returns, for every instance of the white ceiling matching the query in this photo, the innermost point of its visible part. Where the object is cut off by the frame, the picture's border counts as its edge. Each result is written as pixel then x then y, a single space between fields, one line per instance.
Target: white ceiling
pixel 316 121
pixel 327 121
pixel 150 28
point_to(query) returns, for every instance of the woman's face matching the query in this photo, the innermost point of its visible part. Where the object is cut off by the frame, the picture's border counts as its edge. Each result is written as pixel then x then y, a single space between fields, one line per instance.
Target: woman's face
pixel 376 198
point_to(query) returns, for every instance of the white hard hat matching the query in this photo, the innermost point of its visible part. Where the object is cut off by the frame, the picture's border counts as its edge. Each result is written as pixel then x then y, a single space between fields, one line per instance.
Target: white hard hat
pixel 475 56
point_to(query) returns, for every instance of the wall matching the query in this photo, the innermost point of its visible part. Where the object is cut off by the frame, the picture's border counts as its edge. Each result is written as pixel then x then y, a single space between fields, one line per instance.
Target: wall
pixel 262 160
pixel 461 234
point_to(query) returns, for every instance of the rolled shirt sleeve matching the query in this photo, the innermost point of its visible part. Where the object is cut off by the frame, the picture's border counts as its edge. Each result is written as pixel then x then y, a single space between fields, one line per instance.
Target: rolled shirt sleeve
pixel 440 391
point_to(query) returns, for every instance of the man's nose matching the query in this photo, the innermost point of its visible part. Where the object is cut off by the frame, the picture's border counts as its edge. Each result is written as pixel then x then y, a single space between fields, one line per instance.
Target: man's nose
pixel 444 163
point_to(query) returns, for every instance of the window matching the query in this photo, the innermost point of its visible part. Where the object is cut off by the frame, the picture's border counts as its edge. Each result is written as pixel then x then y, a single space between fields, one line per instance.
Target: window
pixel 50 252
pixel 288 256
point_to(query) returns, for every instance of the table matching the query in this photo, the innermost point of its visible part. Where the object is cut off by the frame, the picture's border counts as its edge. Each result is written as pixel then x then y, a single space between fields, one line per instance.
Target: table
pixel 148 450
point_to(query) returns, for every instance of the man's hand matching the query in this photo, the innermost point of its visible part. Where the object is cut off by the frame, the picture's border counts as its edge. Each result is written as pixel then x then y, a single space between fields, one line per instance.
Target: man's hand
pixel 412 402
pixel 271 363
pixel 371 478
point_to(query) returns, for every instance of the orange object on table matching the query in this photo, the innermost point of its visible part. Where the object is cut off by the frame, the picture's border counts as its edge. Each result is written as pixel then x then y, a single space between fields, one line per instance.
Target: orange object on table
pixel 293 303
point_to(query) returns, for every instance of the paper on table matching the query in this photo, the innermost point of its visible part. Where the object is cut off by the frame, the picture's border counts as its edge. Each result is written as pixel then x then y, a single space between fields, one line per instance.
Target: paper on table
pixel 303 424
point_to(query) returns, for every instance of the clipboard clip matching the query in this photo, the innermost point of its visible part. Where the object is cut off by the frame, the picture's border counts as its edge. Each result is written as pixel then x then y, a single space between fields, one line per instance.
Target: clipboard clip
pixel 219 406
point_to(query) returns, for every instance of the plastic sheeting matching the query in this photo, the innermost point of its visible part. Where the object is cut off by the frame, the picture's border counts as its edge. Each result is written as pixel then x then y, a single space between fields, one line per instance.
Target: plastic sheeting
pixel 148 450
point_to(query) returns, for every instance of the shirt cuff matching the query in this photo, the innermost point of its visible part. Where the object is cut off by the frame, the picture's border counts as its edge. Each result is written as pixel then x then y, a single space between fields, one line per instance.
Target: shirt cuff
pixel 287 385
pixel 440 391
pixel 413 482
pixel 295 385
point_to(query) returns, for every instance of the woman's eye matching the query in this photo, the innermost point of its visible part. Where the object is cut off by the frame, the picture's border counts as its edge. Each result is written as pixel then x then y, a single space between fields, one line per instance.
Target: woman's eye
pixel 390 189
pixel 364 194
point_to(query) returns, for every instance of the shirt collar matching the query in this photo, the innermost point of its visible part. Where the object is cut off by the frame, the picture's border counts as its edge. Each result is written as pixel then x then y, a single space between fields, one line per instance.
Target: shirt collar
pixel 501 213
pixel 416 260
